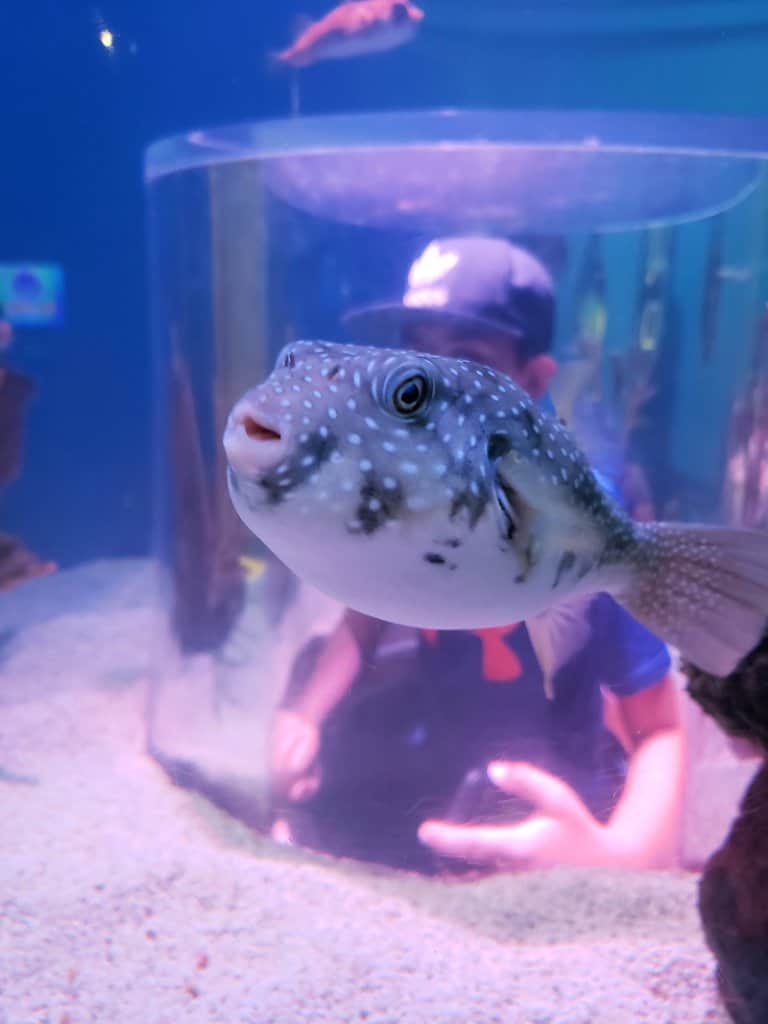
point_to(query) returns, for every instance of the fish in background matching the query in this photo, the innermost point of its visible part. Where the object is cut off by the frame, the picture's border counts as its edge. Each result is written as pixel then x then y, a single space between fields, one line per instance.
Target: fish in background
pixel 713 278
pixel 601 395
pixel 353 29
pixel 434 492
pixel 745 487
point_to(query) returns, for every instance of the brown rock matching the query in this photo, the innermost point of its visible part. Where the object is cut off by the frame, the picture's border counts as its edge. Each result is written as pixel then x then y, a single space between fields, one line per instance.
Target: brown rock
pixel 733 903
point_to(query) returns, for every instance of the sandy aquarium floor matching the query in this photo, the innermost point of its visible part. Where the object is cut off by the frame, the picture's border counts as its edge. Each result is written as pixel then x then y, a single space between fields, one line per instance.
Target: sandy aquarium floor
pixel 125 899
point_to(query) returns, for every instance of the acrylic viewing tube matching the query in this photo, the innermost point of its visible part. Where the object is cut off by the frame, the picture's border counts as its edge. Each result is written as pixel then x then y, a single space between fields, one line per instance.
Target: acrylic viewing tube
pixel 654 230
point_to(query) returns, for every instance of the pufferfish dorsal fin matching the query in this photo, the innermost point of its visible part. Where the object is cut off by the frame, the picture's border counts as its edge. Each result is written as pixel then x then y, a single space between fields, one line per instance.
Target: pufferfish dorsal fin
pixel 557 634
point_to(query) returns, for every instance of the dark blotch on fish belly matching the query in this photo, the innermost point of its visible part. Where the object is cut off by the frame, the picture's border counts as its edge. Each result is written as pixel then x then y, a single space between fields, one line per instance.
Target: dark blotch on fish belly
pixel 564 566
pixel 276 486
pixel 475 504
pixel 390 502
pixel 435 559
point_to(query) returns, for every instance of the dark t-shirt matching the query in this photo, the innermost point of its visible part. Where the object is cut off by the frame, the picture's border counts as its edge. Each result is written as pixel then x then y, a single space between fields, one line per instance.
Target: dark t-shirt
pixel 414 735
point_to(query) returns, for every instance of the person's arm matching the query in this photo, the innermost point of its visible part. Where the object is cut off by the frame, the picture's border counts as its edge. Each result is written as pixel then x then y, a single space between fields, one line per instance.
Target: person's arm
pixel 337 665
pixel 295 736
pixel 644 829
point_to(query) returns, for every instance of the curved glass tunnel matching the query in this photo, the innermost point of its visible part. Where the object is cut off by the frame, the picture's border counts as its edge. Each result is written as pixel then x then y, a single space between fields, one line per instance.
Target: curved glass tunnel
pixel 655 231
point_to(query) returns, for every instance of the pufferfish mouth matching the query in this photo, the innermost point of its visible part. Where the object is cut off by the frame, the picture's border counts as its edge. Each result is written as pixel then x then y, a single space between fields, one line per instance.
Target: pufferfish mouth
pixel 253 441
pixel 258 431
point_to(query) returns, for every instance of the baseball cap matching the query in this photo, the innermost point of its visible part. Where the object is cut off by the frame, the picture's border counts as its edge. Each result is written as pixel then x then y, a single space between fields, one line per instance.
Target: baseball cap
pixel 471 283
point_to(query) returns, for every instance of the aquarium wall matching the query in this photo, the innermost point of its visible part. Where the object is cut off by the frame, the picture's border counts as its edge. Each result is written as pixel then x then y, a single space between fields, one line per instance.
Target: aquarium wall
pixel 654 232
pixel 193 829
pixel 104 104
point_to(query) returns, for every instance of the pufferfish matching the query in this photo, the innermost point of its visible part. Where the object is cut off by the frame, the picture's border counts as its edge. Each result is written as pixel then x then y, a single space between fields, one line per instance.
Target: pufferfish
pixel 432 492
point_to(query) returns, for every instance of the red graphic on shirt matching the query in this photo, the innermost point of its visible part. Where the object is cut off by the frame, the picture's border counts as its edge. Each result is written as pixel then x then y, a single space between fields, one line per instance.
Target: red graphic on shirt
pixel 500 664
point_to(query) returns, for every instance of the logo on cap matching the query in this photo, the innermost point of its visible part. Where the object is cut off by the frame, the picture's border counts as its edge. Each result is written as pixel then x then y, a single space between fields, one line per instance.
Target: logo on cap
pixel 430 268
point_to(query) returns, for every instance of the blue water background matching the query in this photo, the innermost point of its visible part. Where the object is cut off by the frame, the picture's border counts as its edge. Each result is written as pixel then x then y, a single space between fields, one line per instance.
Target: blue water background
pixel 76 119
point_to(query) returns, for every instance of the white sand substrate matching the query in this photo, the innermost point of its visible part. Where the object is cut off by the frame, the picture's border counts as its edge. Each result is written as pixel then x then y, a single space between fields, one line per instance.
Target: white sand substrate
pixel 126 899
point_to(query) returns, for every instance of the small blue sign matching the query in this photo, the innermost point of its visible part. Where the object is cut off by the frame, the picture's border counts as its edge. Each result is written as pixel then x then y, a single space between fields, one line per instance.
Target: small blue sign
pixel 32 294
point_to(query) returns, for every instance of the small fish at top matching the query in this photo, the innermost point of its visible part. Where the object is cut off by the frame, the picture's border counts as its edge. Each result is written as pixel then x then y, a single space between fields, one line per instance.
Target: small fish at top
pixel 433 492
pixel 353 29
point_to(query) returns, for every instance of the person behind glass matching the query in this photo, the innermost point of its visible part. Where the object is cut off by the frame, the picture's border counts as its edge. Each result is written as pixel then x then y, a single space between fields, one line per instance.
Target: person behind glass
pixel 461 754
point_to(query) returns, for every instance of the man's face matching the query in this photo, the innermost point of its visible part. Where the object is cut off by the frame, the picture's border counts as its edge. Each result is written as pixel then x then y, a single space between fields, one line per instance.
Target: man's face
pixel 497 351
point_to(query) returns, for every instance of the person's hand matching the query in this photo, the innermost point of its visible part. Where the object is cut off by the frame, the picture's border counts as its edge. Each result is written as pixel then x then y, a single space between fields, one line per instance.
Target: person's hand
pixel 294 744
pixel 561 830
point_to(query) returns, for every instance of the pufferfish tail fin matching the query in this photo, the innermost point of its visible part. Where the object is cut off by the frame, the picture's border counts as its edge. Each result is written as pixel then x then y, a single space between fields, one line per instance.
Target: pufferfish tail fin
pixel 703 589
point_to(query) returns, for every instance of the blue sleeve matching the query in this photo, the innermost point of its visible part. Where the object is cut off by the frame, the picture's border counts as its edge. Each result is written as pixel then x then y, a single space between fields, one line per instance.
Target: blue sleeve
pixel 628 658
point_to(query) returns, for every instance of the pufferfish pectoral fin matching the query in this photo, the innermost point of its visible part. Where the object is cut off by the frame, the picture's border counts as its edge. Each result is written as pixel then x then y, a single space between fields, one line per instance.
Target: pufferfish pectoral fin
pixel 516 520
pixel 557 634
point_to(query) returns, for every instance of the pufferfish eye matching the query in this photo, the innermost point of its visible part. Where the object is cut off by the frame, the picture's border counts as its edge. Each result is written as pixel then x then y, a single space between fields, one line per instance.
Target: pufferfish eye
pixel 408 392
pixel 409 396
